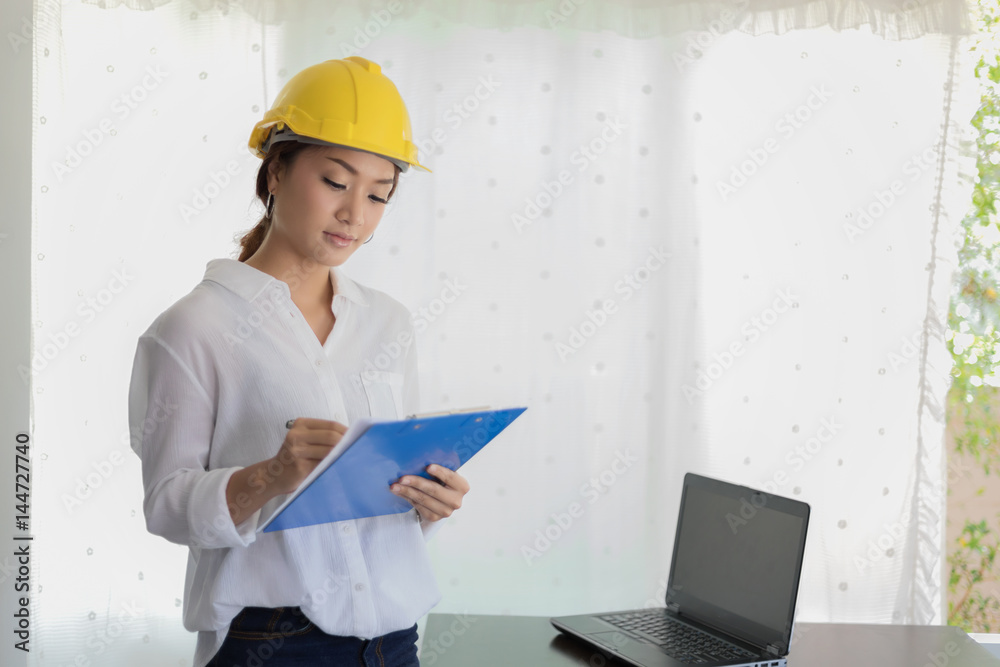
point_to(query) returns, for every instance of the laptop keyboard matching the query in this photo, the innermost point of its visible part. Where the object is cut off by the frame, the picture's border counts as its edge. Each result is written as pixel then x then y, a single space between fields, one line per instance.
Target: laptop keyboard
pixel 679 640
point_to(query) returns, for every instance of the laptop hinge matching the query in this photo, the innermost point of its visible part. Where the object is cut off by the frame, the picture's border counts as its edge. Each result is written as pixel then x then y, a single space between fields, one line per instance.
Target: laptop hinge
pixel 673 606
pixel 773 649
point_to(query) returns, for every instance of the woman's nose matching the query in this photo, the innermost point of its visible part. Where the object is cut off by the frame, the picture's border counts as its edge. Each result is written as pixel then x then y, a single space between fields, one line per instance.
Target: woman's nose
pixel 351 210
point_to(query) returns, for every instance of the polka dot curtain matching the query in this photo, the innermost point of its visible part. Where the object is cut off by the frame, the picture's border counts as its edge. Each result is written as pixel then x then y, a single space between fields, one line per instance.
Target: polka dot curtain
pixel 692 250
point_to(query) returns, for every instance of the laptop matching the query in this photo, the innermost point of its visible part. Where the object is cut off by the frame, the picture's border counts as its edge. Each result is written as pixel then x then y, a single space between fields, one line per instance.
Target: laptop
pixel 730 599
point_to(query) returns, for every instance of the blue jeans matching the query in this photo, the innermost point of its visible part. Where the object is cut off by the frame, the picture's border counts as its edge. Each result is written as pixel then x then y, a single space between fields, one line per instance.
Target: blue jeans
pixel 284 637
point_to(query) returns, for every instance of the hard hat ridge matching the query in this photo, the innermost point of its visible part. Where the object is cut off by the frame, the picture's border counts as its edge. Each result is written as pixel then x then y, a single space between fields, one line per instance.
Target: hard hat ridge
pixel 346 102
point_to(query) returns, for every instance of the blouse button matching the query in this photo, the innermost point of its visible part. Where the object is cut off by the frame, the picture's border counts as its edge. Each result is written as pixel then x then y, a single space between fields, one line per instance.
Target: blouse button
pixel 359 587
pixel 319 362
pixel 347 529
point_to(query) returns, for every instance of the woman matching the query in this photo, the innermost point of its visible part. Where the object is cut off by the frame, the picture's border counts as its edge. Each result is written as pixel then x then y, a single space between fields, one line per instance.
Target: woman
pixel 241 387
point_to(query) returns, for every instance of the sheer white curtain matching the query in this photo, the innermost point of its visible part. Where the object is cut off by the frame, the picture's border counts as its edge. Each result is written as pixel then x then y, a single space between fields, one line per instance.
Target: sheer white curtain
pixel 686 243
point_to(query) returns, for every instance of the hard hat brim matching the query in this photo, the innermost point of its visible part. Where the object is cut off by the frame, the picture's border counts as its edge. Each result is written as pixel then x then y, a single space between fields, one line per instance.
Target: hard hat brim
pixel 287 134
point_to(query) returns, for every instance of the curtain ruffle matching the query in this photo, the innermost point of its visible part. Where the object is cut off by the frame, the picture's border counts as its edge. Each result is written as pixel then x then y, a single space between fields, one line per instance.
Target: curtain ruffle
pixel 890 19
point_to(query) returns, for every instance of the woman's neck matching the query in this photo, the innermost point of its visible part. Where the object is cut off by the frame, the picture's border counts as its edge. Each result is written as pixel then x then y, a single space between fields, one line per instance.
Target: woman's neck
pixel 309 288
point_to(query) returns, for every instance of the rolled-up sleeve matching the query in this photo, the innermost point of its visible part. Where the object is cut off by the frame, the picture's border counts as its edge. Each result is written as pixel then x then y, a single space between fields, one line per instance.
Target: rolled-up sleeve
pixel 171 419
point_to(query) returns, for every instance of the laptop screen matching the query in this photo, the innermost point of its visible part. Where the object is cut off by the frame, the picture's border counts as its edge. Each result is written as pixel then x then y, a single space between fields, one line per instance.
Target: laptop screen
pixel 737 559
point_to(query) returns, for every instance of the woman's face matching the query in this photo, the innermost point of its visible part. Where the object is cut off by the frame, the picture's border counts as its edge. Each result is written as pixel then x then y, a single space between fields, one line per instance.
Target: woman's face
pixel 330 201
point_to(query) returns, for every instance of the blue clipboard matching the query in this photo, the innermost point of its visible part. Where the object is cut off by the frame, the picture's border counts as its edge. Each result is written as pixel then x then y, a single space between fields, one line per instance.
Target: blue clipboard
pixel 355 484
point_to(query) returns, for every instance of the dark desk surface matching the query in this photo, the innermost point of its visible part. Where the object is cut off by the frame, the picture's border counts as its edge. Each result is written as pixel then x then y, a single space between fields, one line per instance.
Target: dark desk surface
pixel 459 640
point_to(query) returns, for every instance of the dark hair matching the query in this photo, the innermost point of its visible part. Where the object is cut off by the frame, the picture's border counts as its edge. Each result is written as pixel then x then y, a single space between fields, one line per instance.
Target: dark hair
pixel 285 153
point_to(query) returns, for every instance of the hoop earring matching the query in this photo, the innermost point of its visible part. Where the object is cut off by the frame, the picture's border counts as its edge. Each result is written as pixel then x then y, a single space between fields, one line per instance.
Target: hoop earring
pixel 369 239
pixel 269 209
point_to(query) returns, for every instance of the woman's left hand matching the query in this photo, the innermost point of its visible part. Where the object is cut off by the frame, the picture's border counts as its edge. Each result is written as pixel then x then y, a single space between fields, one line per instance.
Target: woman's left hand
pixel 433 500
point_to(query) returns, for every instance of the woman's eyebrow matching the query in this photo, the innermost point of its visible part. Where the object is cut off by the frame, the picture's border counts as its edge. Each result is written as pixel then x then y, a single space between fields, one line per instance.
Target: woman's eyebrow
pixel 354 172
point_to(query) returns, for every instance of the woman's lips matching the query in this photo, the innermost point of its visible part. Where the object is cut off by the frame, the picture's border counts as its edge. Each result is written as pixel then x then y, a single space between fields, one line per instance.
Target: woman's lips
pixel 338 241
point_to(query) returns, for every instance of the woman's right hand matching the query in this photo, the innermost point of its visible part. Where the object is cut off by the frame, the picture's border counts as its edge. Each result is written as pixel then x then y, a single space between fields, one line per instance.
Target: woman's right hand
pixel 305 445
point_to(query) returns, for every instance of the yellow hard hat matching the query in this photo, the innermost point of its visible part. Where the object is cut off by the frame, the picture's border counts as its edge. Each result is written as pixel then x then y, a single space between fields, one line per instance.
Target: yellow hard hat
pixel 346 102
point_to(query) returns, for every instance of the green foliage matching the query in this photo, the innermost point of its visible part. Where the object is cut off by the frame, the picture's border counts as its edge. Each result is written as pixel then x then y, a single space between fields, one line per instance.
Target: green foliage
pixel 974 315
pixel 974 341
pixel 972 565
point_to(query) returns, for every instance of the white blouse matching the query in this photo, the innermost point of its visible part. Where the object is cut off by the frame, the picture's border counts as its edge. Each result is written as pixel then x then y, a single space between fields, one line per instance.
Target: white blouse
pixel 215 378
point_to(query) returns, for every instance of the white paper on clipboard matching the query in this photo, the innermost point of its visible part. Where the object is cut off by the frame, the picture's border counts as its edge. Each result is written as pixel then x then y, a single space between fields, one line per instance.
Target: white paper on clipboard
pixel 354 431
